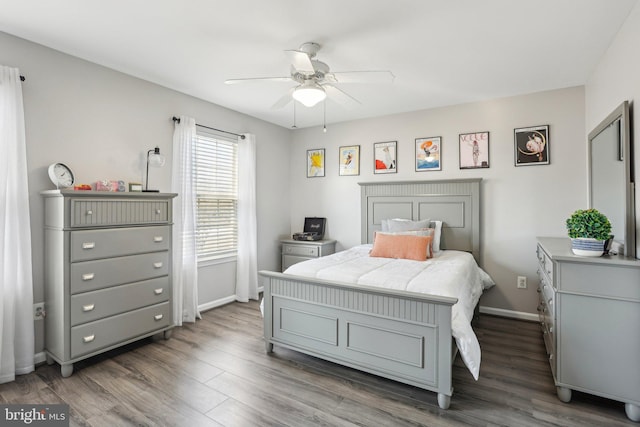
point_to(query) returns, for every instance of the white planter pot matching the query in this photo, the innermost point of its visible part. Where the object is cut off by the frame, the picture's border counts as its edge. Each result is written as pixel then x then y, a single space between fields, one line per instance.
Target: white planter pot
pixel 587 247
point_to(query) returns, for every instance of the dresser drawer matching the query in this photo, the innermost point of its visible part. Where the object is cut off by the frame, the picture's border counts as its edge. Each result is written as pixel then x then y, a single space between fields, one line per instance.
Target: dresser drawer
pixel 95 244
pixel 92 275
pixel 89 306
pixel 93 336
pixel 301 250
pixel 545 264
pixel 101 213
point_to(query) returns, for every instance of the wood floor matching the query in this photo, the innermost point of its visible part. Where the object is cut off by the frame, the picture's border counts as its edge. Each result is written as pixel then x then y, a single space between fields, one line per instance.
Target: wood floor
pixel 216 373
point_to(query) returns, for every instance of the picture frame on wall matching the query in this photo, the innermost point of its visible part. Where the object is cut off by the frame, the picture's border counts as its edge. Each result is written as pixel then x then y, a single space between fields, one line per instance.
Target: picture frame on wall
pixel 349 160
pixel 531 146
pixel 385 157
pixel 474 150
pixel 315 163
pixel 428 154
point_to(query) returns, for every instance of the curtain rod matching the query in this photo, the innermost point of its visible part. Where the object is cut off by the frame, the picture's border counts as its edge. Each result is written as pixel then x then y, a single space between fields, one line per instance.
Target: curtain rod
pixel 176 119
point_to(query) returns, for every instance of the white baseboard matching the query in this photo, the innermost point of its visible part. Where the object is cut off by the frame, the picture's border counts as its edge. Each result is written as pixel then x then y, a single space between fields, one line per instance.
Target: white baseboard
pixel 217 303
pixel 39 358
pixel 223 301
pixel 509 313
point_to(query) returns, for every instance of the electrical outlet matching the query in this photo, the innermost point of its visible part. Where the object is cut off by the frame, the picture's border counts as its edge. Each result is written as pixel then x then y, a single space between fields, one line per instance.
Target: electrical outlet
pixel 522 282
pixel 38 311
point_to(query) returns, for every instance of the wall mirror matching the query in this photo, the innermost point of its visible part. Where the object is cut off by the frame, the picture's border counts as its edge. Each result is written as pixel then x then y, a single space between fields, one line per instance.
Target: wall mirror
pixel 610 180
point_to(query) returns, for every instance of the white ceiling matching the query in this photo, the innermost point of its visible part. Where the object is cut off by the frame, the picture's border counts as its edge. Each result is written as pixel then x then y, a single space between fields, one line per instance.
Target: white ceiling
pixel 442 52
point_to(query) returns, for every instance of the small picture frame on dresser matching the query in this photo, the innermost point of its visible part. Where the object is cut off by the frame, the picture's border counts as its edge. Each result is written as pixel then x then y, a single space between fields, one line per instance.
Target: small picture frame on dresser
pixel 135 187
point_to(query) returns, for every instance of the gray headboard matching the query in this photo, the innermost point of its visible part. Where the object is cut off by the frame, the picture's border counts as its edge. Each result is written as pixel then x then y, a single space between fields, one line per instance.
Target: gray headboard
pixel 455 202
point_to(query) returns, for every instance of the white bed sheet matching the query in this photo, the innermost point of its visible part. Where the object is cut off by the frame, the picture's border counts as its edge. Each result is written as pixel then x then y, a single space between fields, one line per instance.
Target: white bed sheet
pixel 449 273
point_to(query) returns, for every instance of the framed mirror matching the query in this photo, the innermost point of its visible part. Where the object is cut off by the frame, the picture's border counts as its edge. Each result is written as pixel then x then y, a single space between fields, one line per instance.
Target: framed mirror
pixel 611 184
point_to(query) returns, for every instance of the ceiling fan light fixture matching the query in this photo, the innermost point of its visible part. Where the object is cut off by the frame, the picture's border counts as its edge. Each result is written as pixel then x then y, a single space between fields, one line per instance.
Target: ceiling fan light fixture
pixel 309 94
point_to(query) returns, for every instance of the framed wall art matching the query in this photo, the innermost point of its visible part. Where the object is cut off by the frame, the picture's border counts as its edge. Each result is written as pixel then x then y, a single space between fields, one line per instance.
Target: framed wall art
pixel 428 154
pixel 474 150
pixel 384 157
pixel 349 158
pixel 315 163
pixel 531 145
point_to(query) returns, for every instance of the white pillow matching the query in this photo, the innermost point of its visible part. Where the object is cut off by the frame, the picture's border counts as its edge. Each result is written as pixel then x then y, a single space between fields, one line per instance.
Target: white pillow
pixel 399 224
pixel 436 236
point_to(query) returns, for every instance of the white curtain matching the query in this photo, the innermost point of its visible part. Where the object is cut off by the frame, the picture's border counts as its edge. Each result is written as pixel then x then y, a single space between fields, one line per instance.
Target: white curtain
pixel 16 282
pixel 185 263
pixel 247 265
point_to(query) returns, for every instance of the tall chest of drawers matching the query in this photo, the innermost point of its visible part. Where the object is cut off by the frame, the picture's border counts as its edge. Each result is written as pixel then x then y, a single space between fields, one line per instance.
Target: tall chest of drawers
pixel 590 315
pixel 107 271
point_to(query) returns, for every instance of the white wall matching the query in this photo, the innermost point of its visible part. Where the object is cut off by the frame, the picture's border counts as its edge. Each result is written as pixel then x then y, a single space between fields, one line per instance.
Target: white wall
pixel 101 123
pixel 616 79
pixel 519 203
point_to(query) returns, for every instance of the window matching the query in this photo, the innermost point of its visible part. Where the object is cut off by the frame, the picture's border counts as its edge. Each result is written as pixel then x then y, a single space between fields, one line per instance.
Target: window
pixel 216 171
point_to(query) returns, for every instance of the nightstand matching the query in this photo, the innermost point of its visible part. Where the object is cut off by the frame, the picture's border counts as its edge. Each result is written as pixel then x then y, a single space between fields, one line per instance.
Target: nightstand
pixel 294 251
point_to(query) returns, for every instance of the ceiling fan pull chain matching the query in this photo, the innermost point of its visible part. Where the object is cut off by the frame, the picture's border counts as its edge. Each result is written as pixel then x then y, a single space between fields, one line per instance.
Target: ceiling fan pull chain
pixel 294 115
pixel 324 118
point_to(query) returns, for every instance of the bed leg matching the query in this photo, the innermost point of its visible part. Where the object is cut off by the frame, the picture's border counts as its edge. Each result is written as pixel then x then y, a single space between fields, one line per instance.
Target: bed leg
pixel 633 411
pixel 268 347
pixel 444 401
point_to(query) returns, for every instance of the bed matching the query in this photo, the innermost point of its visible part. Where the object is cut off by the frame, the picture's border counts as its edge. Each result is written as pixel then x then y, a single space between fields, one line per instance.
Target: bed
pixel 398 334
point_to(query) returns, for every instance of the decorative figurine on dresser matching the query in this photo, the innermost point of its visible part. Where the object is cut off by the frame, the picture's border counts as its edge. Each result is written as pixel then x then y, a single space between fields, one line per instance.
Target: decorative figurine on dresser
pixel 107 271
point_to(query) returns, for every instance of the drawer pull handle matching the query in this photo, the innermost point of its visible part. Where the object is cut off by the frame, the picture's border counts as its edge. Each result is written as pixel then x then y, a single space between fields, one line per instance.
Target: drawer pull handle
pixel 158 291
pixel 158 316
pixel 89 212
pixel 157 211
pixel 157 264
pixel 88 338
pixel 88 276
pixel 88 307
pixel 158 239
pixel 88 245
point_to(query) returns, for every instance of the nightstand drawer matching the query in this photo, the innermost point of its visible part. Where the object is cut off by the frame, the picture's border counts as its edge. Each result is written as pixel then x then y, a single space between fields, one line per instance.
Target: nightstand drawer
pixel 90 306
pixel 95 244
pixel 300 250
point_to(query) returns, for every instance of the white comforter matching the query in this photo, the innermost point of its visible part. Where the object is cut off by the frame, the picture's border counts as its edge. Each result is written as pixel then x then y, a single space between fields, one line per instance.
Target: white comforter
pixel 449 273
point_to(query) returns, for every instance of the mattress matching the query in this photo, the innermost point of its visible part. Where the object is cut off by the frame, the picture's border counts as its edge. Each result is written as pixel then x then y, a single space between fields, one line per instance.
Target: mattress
pixel 449 273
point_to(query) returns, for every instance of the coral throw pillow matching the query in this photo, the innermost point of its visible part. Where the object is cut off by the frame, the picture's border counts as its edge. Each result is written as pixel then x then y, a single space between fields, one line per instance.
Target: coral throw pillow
pixel 401 246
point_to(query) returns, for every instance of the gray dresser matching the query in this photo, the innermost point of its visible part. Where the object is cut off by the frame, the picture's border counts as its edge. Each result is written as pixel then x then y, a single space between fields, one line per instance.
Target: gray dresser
pixel 107 271
pixel 590 316
pixel 295 251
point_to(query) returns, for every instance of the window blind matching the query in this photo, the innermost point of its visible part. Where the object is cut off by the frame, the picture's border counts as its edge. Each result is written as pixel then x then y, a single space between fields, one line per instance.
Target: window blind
pixel 215 166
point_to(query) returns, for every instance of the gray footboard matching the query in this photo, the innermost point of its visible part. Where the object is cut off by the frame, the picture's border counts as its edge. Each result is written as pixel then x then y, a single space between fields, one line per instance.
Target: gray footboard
pixel 398 335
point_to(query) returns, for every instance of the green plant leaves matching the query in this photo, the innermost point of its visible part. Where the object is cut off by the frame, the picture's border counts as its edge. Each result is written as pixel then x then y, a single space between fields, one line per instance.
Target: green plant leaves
pixel 588 223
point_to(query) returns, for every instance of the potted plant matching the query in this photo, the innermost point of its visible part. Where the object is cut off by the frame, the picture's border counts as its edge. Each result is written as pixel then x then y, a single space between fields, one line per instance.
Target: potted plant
pixel 589 230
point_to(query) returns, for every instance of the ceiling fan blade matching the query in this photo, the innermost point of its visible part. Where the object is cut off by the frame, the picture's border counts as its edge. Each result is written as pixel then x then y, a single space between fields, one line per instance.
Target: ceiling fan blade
pixel 360 77
pixel 258 79
pixel 282 102
pixel 300 61
pixel 340 96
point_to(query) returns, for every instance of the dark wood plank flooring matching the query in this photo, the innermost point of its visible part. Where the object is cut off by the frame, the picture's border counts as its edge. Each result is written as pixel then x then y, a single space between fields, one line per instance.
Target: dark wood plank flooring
pixel 216 373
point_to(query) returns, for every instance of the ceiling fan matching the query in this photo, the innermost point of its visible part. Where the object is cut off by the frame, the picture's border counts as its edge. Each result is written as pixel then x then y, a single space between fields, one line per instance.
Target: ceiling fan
pixel 315 80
